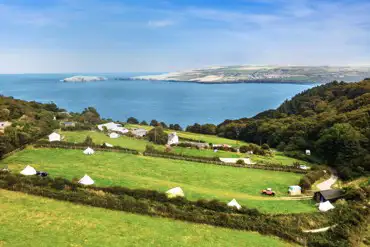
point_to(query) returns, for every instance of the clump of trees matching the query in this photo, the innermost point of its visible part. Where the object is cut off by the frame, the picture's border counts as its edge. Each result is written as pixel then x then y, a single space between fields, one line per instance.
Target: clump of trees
pixel 209 129
pixel 157 136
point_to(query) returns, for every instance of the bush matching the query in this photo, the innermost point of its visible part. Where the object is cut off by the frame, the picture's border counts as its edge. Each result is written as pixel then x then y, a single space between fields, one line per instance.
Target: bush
pixel 240 162
pixel 157 136
pixel 88 141
pixel 265 146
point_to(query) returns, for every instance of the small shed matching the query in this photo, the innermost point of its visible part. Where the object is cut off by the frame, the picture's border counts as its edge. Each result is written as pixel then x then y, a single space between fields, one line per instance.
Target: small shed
pixel 295 190
pixel 68 124
pixel 139 132
pixel 328 195
pixel 54 137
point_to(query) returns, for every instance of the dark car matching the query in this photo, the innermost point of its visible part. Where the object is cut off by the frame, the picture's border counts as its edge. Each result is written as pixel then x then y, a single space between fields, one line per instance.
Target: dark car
pixel 41 173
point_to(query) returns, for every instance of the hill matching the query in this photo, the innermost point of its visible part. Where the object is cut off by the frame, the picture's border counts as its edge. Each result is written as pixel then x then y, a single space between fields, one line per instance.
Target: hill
pixel 272 74
pixel 332 120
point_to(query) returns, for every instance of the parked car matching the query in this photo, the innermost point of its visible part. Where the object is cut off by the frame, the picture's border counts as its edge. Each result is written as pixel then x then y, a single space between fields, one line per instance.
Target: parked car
pixel 268 192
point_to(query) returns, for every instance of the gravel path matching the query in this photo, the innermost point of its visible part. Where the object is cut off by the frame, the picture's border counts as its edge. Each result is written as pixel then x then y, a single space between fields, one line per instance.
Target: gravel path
pixel 326 185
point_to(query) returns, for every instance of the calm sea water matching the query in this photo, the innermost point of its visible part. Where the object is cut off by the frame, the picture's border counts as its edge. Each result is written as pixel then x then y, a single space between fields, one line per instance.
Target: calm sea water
pixel 171 102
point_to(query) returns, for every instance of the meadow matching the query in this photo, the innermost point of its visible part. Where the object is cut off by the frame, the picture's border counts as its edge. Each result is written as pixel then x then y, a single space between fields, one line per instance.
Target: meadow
pixel 29 220
pixel 140 144
pixel 198 180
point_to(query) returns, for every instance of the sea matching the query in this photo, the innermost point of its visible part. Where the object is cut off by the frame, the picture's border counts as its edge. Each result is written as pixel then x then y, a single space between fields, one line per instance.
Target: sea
pixel 172 102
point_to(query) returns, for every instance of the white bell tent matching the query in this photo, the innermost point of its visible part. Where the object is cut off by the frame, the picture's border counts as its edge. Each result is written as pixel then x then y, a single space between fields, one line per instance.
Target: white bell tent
pixel 175 192
pixel 86 180
pixel 235 204
pixel 89 151
pixel 325 206
pixel 54 137
pixel 28 171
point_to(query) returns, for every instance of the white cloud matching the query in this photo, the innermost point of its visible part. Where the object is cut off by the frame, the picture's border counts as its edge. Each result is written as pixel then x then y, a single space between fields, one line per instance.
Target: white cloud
pixel 160 23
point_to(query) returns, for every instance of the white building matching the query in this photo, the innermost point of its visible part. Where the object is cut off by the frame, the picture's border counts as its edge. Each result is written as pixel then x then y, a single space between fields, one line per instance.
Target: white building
pixel 54 137
pixel 113 127
pixel 308 152
pixel 172 138
pixel 139 132
pixel 295 190
pixel 114 135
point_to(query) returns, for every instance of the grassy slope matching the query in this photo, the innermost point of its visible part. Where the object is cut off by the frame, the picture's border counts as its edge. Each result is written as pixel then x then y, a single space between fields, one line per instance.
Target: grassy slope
pixel 198 180
pixel 139 144
pixel 36 221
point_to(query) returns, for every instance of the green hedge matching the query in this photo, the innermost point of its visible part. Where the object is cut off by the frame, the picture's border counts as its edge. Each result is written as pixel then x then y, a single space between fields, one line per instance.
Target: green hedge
pixel 82 146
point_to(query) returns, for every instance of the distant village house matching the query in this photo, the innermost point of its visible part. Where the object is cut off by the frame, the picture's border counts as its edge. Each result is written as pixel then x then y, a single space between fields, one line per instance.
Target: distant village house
pixel 139 132
pixel 172 138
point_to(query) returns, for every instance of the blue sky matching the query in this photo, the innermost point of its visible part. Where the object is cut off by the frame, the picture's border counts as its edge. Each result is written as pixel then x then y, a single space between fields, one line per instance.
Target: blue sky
pixel 167 35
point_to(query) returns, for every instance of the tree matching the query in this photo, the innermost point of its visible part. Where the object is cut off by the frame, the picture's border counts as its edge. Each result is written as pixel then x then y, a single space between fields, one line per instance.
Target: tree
pixel 154 123
pixel 88 141
pixel 157 136
pixel 340 143
pixel 132 120
pixel 164 125
pixel 143 123
pixel 90 115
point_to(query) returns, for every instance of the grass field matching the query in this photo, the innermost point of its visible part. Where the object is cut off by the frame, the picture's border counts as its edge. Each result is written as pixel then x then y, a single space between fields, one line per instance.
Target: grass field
pixel 197 137
pixel 197 180
pixel 35 221
pixel 139 144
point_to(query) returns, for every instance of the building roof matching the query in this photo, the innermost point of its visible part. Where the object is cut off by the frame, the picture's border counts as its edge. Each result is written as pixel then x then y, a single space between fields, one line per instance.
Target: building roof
pixel 331 194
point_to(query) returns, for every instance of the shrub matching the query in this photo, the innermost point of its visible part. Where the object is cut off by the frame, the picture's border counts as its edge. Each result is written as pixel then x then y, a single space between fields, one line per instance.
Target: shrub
pixel 88 141
pixel 240 162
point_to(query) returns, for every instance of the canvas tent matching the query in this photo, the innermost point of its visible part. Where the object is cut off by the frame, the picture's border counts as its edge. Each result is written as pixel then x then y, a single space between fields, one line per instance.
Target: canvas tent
pixel 175 192
pixel 113 135
pixel 325 206
pixel 235 204
pixel 28 171
pixel 308 152
pixel 54 137
pixel 294 190
pixel 89 151
pixel 108 145
pixel 173 138
pixel 86 180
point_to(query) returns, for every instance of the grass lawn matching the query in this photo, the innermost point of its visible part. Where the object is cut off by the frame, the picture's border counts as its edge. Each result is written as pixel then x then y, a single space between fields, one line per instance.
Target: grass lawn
pixel 139 144
pixel 35 221
pixel 197 180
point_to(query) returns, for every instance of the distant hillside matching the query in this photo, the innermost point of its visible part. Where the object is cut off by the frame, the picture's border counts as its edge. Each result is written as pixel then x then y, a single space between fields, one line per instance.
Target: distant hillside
pixel 265 74
pixel 331 120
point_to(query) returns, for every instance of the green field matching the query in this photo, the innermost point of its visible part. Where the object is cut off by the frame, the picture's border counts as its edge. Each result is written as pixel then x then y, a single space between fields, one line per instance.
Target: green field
pixel 195 136
pixel 197 180
pixel 35 221
pixel 140 144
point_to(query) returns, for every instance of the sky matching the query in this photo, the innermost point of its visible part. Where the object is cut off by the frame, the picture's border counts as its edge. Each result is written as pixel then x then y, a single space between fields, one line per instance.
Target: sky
pixel 62 36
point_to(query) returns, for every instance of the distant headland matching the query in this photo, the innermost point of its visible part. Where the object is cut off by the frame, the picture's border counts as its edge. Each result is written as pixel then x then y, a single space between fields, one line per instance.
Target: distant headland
pixel 263 74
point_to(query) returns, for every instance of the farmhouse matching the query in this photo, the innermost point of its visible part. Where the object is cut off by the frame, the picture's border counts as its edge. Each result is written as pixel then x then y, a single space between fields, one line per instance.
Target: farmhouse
pixel 113 127
pixel 68 124
pixel 173 138
pixel 3 125
pixel 54 137
pixel 139 132
pixel 328 195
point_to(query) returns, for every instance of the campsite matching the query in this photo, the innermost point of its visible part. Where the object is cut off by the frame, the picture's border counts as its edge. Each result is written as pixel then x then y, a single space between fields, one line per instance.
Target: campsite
pixel 199 181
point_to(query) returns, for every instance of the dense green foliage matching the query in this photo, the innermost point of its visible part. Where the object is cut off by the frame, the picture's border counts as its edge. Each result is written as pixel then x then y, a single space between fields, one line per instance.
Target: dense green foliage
pixel 332 120
pixel 29 121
